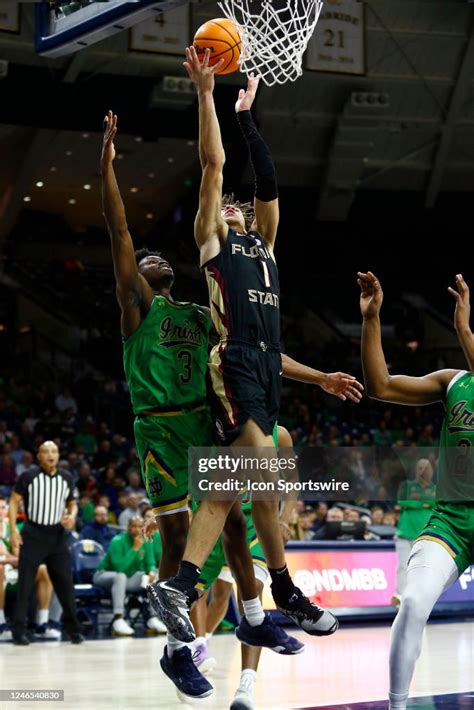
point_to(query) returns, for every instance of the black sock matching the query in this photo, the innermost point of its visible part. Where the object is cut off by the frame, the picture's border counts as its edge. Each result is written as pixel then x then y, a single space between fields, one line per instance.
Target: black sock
pixel 282 584
pixel 187 578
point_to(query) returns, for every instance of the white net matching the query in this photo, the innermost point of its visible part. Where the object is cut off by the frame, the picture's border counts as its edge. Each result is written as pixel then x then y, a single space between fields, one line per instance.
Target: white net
pixel 274 35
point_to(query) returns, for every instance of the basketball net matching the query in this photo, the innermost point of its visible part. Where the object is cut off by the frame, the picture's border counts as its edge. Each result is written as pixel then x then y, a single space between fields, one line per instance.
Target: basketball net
pixel 273 39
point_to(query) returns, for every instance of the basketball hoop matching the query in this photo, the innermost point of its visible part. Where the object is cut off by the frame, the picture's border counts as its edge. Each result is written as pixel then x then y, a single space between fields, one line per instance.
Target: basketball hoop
pixel 274 39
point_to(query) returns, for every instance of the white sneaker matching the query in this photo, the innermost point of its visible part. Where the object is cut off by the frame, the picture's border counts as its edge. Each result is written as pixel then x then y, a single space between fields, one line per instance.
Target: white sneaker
pixel 5 633
pixel 242 701
pixel 47 633
pixel 156 626
pixel 121 628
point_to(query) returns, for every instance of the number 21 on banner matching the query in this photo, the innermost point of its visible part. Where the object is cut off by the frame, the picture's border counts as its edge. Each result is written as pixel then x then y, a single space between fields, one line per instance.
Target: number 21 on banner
pixel 338 43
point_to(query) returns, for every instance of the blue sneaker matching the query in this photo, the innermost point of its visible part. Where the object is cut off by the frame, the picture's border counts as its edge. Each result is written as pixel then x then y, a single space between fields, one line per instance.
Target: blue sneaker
pixel 268 635
pixel 181 670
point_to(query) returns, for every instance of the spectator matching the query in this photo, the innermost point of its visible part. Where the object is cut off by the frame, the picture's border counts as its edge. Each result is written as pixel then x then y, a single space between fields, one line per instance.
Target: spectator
pixel 86 438
pixel 334 515
pixel 104 501
pixel 16 451
pixel 65 400
pixel 7 475
pixel 25 463
pixel 321 512
pixel 135 484
pixel 130 511
pixel 86 509
pixel 416 499
pixel 351 515
pixel 97 529
pixel 128 565
pixel 389 518
pixel 306 520
pixel 104 455
pixel 376 515
pixel 86 481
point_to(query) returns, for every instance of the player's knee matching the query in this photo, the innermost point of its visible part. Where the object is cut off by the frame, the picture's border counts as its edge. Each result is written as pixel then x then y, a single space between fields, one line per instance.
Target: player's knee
pixel 413 608
pixel 221 592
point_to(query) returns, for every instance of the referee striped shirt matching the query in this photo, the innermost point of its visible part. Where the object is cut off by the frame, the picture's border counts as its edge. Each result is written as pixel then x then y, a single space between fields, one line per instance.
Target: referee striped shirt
pixel 45 497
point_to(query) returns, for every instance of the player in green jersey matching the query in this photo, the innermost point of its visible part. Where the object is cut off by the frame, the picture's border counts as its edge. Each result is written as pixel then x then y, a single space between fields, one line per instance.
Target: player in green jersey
pixel 445 547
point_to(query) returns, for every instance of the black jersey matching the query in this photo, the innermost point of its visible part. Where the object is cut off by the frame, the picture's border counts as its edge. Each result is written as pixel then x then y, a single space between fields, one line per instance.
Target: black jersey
pixel 244 290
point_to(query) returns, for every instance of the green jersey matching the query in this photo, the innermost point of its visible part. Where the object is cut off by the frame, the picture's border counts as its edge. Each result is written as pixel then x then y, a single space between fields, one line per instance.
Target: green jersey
pixel 416 502
pixel 121 557
pixel 456 457
pixel 165 359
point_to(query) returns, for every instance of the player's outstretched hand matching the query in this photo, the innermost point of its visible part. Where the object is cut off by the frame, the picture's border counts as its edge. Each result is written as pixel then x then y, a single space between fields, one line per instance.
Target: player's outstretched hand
pixel 246 98
pixel 110 130
pixel 371 294
pixel 149 529
pixel 343 386
pixel 201 73
pixel 462 311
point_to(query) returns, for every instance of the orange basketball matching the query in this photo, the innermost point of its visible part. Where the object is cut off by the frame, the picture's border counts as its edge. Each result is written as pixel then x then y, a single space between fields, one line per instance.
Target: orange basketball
pixel 222 37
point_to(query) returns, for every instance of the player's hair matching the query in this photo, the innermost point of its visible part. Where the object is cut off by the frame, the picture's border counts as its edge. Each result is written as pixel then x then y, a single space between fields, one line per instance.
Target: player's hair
pixel 245 207
pixel 143 253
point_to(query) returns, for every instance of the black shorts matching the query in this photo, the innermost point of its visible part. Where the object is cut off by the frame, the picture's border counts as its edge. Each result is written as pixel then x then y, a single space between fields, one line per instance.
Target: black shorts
pixel 245 384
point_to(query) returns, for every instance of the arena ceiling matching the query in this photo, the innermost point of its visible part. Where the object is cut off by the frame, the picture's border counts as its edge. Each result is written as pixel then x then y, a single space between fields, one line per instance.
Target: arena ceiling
pixel 419 57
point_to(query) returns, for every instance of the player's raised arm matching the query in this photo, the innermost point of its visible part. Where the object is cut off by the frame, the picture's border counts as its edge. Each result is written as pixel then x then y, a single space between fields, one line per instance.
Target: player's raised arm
pixel 210 229
pixel 379 384
pixel 461 318
pixel 337 383
pixel 267 214
pixel 133 292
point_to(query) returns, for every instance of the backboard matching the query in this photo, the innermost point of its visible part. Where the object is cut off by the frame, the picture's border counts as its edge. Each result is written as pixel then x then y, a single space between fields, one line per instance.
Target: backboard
pixel 66 26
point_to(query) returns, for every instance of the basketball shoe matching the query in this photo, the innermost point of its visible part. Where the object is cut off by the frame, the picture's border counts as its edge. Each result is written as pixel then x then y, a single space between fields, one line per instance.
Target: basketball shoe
pixel 181 670
pixel 308 616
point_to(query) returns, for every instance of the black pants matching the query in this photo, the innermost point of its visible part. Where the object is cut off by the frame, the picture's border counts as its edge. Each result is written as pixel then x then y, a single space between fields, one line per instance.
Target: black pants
pixel 46 545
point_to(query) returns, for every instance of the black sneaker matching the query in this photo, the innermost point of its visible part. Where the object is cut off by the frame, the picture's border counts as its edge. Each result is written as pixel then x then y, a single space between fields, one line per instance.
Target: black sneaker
pixel 76 638
pixel 308 616
pixel 172 606
pixel 181 670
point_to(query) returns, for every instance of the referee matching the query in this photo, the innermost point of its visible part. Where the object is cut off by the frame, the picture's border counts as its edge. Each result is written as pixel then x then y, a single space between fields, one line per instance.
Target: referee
pixel 50 511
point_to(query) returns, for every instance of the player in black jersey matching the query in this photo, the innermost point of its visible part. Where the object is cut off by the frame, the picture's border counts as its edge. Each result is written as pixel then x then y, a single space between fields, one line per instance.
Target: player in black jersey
pixel 245 367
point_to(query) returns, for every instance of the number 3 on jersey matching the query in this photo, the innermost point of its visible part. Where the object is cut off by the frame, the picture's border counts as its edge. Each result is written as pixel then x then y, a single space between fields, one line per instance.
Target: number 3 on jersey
pixel 184 356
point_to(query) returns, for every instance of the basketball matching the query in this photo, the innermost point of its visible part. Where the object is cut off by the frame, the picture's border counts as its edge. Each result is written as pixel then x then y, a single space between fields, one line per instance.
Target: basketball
pixel 222 37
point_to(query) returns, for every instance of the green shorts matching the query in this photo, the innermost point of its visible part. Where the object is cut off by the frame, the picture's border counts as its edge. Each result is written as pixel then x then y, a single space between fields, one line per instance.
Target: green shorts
pixel 216 564
pixel 452 526
pixel 162 442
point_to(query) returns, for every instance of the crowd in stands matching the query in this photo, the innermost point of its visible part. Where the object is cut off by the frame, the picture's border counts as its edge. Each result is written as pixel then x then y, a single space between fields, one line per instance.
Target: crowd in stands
pixel 90 419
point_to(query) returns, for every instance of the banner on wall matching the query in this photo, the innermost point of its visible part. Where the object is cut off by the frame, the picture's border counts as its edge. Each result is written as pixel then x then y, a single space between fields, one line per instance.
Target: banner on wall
pixel 338 42
pixel 167 33
pixel 345 578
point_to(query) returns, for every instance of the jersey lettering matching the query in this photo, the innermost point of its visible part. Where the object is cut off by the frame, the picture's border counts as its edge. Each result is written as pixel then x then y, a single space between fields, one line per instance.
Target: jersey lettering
pixel 265 299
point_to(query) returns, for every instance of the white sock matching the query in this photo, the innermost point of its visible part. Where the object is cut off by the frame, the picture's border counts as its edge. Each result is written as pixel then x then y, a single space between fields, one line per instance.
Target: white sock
pixel 199 641
pixel 398 701
pixel 248 678
pixel 208 635
pixel 42 616
pixel 173 645
pixel 253 611
pixel 2 617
